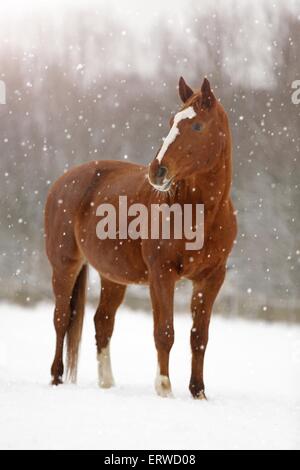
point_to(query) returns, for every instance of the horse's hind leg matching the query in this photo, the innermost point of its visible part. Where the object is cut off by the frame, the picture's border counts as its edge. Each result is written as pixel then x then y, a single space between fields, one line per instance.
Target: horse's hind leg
pixel 63 281
pixel 111 297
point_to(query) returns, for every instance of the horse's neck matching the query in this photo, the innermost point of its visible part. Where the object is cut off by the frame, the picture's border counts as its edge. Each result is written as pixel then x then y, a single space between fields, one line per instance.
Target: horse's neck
pixel 209 188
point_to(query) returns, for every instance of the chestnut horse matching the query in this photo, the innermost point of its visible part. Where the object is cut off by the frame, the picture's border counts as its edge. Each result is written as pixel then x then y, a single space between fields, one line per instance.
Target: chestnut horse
pixel 192 166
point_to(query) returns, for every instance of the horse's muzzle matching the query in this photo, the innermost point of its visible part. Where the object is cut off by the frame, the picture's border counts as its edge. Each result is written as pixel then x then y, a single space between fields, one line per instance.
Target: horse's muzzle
pixel 158 176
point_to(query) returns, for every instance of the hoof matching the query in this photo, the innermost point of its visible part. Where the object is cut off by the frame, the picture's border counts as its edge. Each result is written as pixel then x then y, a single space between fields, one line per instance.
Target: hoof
pixel 106 383
pixel 197 391
pixel 163 386
pixel 56 381
pixel 200 395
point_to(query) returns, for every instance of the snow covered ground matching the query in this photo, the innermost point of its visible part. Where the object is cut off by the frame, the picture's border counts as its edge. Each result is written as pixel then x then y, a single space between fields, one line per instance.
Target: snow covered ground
pixel 252 379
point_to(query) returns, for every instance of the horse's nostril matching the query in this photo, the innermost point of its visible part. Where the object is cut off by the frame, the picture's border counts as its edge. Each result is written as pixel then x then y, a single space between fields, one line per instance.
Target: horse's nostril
pixel 161 171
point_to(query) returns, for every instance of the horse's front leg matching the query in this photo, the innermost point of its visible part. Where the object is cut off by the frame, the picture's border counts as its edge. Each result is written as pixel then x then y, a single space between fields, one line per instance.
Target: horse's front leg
pixel 162 297
pixel 204 295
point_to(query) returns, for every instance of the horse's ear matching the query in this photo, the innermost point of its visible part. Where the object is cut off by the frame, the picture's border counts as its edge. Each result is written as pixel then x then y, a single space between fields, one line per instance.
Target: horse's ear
pixel 185 92
pixel 208 98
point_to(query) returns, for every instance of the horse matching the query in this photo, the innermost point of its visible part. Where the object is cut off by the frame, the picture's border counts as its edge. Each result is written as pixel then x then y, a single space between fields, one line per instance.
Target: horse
pixel 192 166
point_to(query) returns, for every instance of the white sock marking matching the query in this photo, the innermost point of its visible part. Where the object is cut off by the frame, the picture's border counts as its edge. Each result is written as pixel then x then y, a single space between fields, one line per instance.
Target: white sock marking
pixel 162 385
pixel 105 376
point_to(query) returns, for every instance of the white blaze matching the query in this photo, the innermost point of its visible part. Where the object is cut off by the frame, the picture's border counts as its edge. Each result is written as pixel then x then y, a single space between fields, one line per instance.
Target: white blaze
pixel 187 113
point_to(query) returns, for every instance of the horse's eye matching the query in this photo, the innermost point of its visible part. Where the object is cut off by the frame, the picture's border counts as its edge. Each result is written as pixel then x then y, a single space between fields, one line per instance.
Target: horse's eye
pixel 197 126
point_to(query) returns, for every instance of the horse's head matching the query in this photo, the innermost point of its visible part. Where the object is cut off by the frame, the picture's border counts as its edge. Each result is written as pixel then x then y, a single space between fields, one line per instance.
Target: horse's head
pixel 197 137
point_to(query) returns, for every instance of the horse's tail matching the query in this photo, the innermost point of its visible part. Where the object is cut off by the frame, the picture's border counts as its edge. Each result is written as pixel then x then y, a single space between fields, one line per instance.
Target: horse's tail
pixel 74 332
